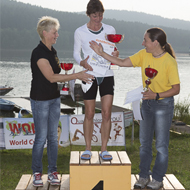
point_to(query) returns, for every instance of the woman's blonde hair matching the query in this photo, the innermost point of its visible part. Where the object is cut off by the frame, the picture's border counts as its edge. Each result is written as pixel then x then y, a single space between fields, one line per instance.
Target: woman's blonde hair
pixel 47 23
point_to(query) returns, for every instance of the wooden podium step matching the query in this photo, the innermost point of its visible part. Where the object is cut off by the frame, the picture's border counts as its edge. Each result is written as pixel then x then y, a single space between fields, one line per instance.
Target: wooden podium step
pixel 26 180
pixel 170 182
pixel 25 183
pixel 98 174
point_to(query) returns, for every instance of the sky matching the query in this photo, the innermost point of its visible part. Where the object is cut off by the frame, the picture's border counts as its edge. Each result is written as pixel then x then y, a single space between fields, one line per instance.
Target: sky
pixel 173 9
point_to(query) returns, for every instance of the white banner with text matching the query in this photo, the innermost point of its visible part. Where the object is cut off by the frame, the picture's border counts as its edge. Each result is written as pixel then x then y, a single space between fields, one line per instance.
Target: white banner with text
pixel 117 134
pixel 19 133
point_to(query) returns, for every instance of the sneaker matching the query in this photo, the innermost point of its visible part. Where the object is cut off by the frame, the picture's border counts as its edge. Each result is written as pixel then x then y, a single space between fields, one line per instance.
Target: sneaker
pixel 37 180
pixel 53 179
pixel 156 185
pixel 141 183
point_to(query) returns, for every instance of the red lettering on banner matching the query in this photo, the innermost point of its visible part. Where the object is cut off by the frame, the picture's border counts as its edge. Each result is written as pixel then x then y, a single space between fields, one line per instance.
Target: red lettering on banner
pixel 31 141
pixel 27 129
pixel 74 120
pixel 14 128
pixel 22 142
pixel 33 128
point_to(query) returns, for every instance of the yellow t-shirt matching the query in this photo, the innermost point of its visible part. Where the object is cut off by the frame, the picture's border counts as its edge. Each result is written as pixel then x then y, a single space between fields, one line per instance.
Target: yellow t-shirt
pixel 166 66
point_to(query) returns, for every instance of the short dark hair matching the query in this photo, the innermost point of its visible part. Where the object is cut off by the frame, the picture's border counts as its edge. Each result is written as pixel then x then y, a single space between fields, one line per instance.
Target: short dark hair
pixel 94 6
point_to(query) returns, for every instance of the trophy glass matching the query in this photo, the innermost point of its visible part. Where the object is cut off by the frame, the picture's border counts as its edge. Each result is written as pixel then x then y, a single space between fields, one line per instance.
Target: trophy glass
pixel 150 73
pixel 114 38
pixel 66 67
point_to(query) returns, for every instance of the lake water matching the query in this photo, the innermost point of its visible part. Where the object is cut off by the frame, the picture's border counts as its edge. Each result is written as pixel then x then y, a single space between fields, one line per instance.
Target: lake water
pixel 17 74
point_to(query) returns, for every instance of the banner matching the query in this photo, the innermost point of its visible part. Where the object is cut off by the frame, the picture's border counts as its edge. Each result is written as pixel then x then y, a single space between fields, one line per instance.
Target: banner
pixel 117 134
pixel 128 118
pixel 19 133
pixel 63 131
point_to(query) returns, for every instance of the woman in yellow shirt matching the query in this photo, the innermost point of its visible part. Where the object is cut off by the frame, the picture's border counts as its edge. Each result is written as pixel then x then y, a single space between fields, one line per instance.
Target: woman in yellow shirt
pixel 158 102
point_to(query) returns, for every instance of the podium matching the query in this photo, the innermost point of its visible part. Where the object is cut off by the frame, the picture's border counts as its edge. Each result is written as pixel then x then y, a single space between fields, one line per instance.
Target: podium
pixel 97 174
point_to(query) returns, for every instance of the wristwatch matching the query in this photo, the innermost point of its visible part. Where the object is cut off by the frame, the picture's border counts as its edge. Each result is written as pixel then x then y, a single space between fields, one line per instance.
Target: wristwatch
pixel 157 96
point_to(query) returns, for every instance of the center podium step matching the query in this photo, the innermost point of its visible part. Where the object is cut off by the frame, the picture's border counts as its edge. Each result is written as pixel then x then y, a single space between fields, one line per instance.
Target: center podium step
pixel 96 174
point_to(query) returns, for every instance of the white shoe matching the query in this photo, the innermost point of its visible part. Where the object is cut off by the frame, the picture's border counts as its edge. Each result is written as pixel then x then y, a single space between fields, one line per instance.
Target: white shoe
pixel 156 185
pixel 141 183
pixel 53 179
pixel 37 180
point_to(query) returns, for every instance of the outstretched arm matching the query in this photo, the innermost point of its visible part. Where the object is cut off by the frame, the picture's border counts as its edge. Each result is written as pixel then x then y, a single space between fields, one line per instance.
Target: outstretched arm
pixel 115 60
pixel 48 73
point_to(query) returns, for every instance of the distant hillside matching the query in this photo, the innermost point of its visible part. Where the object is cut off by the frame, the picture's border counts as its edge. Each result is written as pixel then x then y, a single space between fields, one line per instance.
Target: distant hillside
pixel 18 29
pixel 133 16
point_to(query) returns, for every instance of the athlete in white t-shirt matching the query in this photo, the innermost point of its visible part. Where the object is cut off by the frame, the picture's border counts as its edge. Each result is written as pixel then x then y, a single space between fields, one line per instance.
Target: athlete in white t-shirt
pixel 93 30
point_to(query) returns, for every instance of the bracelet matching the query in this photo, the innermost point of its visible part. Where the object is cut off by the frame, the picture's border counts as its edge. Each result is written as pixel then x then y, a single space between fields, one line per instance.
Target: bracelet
pixel 157 96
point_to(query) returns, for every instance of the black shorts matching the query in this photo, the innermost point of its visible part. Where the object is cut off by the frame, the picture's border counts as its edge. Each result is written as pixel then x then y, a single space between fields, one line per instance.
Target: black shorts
pixel 106 87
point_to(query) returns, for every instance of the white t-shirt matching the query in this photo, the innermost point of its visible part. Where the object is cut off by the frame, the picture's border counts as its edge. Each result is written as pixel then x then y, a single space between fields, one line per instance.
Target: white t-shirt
pixel 82 37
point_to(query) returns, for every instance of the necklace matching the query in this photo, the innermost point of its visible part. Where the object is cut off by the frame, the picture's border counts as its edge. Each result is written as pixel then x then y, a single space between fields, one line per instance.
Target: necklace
pixel 159 54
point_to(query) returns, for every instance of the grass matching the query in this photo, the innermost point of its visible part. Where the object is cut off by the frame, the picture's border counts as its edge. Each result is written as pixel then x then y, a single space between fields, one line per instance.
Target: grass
pixel 14 163
pixel 182 111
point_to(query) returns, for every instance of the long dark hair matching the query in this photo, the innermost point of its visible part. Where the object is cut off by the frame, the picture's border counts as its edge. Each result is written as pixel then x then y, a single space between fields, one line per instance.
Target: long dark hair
pixel 159 35
pixel 94 6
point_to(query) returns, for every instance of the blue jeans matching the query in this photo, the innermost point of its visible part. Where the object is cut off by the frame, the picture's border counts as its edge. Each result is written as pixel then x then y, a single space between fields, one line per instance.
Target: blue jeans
pixel 157 118
pixel 46 116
